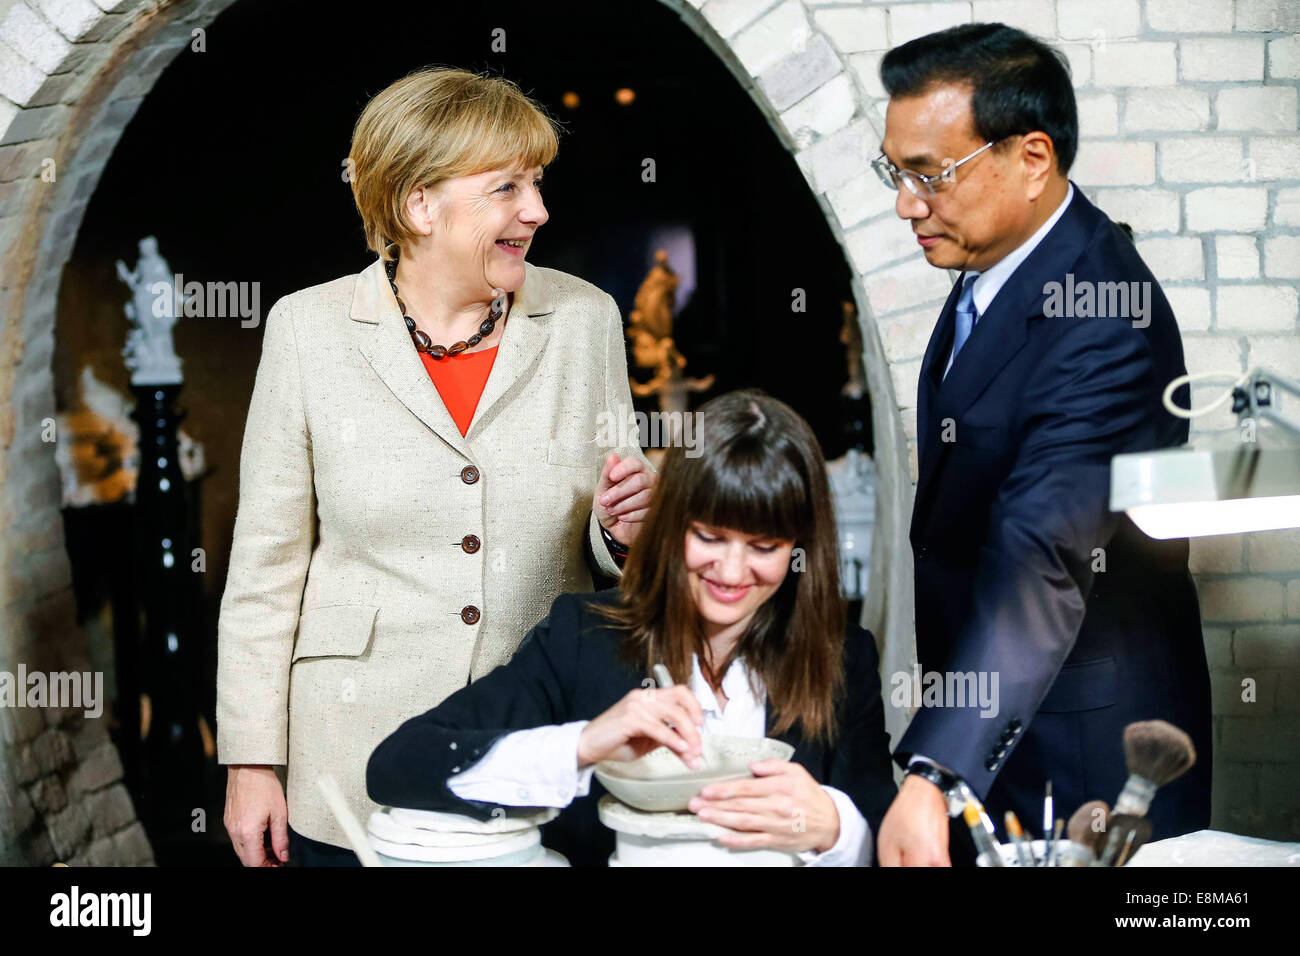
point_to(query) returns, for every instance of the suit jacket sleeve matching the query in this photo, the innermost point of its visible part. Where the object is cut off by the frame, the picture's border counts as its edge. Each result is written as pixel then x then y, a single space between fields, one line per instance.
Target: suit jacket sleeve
pixel 860 764
pixel 411 766
pixel 274 530
pixel 618 405
pixel 1089 400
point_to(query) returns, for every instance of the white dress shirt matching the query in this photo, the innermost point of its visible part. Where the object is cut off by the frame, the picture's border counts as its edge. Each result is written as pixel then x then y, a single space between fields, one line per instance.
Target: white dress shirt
pixel 991 281
pixel 539 767
pixel 987 286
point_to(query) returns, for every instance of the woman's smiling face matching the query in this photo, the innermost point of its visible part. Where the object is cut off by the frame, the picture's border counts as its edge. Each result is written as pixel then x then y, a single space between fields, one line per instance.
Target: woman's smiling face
pixel 485 222
pixel 730 574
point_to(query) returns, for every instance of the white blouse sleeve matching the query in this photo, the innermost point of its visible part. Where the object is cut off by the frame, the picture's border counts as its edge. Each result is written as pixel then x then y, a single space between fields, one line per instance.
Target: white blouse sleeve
pixel 853 848
pixel 528 768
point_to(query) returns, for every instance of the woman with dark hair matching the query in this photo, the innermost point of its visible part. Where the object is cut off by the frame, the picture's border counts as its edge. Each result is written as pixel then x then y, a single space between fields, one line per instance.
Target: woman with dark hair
pixel 733 585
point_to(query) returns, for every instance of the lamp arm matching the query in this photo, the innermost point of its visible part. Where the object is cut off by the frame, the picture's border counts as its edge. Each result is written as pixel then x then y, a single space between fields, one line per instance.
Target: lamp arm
pixel 1255 399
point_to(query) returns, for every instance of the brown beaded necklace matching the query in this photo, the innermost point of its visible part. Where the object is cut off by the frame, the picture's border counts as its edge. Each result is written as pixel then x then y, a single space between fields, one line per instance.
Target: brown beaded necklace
pixel 421 338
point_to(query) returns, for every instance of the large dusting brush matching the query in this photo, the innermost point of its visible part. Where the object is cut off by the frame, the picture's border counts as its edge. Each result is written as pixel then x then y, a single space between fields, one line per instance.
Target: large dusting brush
pixel 1087 840
pixel 1156 752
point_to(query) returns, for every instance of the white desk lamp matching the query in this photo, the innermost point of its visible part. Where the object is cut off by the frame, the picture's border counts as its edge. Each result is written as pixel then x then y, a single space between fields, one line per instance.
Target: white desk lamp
pixel 1236 487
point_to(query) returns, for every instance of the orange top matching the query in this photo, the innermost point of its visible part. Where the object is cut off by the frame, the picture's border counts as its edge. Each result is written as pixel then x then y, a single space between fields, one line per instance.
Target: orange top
pixel 460 380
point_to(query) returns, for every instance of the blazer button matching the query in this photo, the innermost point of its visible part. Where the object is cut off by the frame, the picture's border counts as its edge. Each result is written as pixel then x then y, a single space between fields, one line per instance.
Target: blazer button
pixel 470 544
pixel 469 614
pixel 469 474
pixel 990 765
pixel 1016 725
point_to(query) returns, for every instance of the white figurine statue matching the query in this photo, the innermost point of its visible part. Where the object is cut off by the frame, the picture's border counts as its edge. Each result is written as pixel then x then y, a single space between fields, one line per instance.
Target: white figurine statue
pixel 154 306
pixel 852 479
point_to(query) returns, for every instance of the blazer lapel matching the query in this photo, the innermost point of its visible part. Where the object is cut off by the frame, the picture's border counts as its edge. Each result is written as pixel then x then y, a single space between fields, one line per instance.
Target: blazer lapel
pixel 386 345
pixel 521 346
pixel 1002 331
pixel 997 337
pixel 936 357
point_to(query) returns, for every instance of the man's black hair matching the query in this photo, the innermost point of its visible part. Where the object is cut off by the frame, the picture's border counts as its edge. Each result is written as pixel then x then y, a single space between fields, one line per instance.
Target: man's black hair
pixel 1019 83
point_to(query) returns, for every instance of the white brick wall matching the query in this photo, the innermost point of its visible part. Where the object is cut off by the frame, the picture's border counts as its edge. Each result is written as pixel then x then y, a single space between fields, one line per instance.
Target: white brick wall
pixel 1221 59
pixel 1166 108
pixel 1189 16
pixel 1238 257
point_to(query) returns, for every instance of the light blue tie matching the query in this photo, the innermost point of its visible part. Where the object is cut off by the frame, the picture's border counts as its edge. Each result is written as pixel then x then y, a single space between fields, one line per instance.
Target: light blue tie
pixel 966 317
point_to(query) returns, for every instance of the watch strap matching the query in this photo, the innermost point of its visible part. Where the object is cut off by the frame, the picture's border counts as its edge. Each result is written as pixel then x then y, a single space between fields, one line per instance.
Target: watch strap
pixel 949 785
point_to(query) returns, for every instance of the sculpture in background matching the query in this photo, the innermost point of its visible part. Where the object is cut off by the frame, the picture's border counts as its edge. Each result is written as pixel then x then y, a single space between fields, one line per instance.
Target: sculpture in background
pixel 154 306
pixel 853 475
pixel 669 383
pixel 98 452
pixel 656 299
pixel 651 330
pixel 176 743
pixel 853 491
pixel 855 403
pixel 851 337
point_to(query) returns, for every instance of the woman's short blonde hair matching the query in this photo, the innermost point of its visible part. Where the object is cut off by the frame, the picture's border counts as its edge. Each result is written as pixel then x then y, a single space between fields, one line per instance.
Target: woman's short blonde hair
pixel 429 126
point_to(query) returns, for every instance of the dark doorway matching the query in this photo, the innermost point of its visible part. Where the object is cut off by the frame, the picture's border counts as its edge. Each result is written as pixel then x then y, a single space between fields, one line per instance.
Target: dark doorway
pixel 235 162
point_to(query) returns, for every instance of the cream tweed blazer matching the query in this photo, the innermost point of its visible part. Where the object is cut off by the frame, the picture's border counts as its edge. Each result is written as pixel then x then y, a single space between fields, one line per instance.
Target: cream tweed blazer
pixel 350 599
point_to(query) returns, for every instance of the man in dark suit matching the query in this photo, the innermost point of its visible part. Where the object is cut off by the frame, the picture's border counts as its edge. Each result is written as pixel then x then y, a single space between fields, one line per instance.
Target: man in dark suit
pixel 1048 358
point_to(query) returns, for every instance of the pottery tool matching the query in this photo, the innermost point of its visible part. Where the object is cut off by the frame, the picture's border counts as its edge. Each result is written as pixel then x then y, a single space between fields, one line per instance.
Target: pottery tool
pixel 1127 834
pixel 1017 836
pixel 708 756
pixel 1084 835
pixel 1053 852
pixel 1048 816
pixel 351 825
pixel 984 843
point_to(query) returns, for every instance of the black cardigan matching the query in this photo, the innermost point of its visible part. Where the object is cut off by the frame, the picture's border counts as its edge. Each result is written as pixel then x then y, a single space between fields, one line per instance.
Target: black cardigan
pixel 569 668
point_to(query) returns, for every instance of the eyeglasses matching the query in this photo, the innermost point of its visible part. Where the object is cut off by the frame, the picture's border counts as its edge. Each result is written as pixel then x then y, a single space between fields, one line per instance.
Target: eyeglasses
pixel 919 184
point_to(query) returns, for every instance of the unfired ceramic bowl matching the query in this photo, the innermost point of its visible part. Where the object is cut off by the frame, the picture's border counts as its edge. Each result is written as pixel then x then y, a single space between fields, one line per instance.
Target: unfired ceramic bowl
pixel 659 781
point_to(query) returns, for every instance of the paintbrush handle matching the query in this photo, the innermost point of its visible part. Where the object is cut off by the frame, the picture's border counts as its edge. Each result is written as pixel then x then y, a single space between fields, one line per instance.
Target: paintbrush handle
pixel 1113 844
pixel 1128 848
pixel 1136 796
pixel 1053 847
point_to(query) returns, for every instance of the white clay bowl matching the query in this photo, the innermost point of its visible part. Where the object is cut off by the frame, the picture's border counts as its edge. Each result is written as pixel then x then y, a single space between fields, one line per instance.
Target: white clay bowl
pixel 659 781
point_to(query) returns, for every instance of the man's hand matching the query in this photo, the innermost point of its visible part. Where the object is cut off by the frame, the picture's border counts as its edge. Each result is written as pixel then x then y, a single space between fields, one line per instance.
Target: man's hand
pixel 622 496
pixel 915 830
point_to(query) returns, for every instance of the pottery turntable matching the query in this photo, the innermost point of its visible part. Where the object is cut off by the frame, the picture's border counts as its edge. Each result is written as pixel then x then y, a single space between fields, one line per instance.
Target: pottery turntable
pixel 646 806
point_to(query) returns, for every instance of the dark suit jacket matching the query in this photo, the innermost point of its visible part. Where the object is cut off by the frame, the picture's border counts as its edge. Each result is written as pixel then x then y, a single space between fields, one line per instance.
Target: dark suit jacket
pixel 1012 526
pixel 568 668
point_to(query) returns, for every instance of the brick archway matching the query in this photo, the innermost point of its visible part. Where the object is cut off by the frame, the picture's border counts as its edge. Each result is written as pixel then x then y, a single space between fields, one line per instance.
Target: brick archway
pixel 1152 76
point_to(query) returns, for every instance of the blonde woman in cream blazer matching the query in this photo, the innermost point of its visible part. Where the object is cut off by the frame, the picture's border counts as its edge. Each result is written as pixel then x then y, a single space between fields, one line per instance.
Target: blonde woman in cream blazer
pixel 381 559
